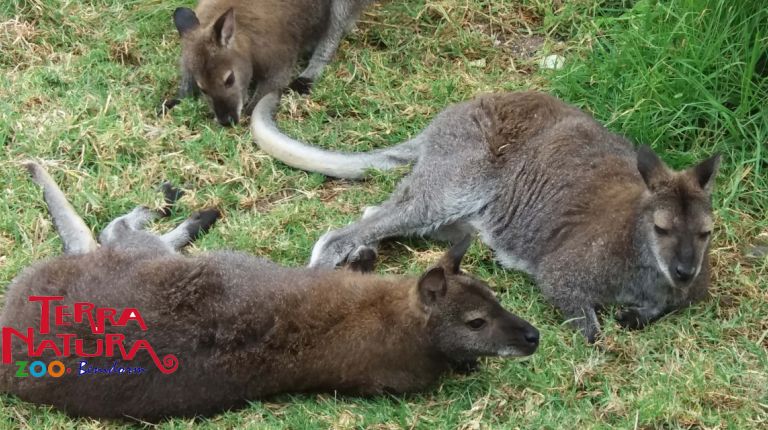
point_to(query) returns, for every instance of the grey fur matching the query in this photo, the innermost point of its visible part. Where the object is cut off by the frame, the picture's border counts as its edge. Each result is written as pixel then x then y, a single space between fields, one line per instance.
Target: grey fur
pixel 75 235
pixel 549 189
pixel 125 232
pixel 340 165
pixel 344 14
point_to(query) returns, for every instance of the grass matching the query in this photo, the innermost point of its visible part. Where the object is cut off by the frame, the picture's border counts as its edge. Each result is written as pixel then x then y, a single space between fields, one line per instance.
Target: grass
pixel 80 81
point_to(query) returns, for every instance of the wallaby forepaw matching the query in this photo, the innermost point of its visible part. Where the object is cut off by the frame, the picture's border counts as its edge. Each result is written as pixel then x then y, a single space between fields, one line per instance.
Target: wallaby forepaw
pixel 591 333
pixel 466 367
pixel 630 318
pixel 171 195
pixel 301 85
pixel 593 337
pixel 362 259
pixel 201 222
pixel 333 250
pixel 166 106
pixel 250 106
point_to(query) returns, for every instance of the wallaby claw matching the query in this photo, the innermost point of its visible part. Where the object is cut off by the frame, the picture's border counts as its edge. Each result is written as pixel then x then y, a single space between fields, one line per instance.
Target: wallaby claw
pixel 171 195
pixel 593 337
pixel 466 367
pixel 362 259
pixel 166 106
pixel 301 85
pixel 630 318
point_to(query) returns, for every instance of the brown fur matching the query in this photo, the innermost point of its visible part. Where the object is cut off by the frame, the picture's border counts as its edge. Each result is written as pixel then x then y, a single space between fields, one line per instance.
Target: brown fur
pixel 268 37
pixel 231 46
pixel 244 328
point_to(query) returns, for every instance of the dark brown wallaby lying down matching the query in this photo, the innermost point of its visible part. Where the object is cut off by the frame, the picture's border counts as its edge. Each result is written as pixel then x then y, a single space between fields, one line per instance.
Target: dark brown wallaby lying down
pixel 174 335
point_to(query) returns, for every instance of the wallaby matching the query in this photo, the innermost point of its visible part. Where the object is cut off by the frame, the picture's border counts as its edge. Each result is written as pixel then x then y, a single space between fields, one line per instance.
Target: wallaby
pixel 549 189
pixel 228 46
pixel 233 327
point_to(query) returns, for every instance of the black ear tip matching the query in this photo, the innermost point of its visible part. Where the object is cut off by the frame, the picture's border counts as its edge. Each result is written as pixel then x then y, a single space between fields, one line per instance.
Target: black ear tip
pixel 647 158
pixel 183 12
pixel 185 19
pixel 436 271
pixel 433 273
pixel 460 248
pixel 452 258
pixel 645 152
pixel 711 163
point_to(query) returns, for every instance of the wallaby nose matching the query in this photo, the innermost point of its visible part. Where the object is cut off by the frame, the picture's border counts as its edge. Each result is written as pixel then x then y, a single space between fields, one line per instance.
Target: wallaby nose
pixel 684 272
pixel 532 336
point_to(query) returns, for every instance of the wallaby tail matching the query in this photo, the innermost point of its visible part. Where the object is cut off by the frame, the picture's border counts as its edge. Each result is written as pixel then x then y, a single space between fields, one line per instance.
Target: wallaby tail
pixel 75 235
pixel 303 156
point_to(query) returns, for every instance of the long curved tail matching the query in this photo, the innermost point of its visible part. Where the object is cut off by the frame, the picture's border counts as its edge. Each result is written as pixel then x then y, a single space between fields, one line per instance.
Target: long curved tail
pixel 306 157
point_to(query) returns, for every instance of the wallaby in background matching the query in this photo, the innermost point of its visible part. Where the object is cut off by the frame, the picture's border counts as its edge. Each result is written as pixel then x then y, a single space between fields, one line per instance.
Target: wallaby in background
pixel 229 46
pixel 549 189
pixel 242 327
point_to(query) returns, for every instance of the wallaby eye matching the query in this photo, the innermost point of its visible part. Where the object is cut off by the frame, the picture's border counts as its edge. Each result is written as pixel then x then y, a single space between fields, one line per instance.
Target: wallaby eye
pixel 660 231
pixel 230 80
pixel 476 323
pixel 704 235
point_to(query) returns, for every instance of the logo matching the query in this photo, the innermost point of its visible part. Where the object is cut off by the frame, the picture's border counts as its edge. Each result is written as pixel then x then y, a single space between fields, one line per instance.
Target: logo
pixel 108 345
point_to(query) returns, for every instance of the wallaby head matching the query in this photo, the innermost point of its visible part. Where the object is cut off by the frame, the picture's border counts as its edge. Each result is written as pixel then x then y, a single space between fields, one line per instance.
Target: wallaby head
pixel 677 214
pixel 466 320
pixel 221 71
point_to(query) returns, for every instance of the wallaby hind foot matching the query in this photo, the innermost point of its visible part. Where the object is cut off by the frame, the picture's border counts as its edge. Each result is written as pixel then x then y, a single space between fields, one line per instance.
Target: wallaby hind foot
pixel 192 228
pixel 127 231
pixel 76 237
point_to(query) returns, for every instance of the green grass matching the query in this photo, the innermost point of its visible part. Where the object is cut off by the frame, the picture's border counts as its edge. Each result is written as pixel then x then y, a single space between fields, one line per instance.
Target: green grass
pixel 79 82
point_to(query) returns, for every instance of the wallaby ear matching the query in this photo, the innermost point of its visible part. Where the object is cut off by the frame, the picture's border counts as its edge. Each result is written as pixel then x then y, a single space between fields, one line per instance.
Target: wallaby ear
pixel 485 118
pixel 185 20
pixel 706 171
pixel 224 28
pixel 451 260
pixel 432 285
pixel 650 166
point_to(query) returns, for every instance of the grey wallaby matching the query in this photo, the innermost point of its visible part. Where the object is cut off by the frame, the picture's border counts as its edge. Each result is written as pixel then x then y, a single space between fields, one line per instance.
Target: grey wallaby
pixel 236 327
pixel 229 46
pixel 549 189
